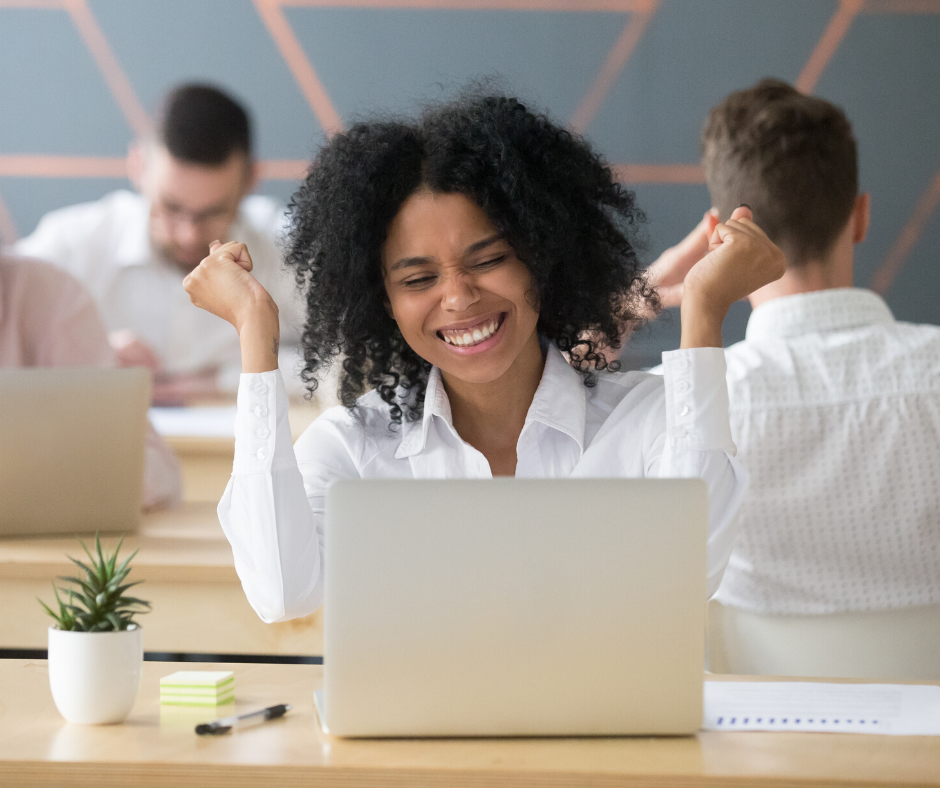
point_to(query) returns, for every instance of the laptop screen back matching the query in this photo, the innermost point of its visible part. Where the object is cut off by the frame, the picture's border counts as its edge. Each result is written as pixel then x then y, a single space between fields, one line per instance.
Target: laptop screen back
pixel 72 449
pixel 514 607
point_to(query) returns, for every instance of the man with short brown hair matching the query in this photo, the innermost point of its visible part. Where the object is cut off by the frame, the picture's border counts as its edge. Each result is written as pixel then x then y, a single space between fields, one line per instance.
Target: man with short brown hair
pixel 835 406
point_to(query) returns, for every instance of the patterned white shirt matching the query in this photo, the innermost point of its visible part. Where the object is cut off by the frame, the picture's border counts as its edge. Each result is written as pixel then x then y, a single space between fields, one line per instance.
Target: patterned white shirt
pixel 835 410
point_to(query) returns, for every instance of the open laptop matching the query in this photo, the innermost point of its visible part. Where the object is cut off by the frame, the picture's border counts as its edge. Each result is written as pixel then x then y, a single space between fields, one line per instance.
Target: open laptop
pixel 514 607
pixel 72 449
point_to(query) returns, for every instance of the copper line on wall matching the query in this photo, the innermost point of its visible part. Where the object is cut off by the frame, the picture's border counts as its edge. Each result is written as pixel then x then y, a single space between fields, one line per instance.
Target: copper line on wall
pixel 658 173
pixel 481 5
pixel 303 72
pixel 108 64
pixel 8 232
pixel 613 65
pixel 828 44
pixel 896 258
pixel 28 166
pixel 283 169
pixel 37 4
pixel 31 166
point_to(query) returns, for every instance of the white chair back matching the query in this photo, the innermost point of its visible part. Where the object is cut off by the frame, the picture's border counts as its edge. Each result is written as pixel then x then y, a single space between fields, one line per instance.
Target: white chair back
pixel 893 645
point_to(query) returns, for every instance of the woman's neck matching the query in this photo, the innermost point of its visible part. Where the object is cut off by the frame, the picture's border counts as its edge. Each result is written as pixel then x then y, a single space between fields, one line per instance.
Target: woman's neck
pixel 490 416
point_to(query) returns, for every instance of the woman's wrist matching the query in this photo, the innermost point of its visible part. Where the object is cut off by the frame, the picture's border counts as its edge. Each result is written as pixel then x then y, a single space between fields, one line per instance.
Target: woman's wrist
pixel 259 334
pixel 701 324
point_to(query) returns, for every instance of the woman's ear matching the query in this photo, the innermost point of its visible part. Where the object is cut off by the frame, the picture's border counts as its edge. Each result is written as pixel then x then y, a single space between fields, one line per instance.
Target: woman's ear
pixel 388 308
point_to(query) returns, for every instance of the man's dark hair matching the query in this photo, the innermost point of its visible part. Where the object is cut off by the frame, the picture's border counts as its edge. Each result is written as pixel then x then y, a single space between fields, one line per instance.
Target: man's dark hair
pixel 199 124
pixel 791 158
pixel 544 189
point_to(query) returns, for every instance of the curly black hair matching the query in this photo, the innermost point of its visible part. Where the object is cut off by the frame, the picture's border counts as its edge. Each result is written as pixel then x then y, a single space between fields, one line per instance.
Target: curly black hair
pixel 553 199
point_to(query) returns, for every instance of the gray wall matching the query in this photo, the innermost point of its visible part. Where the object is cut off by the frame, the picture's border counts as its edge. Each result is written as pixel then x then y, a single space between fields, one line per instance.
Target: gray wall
pixel 637 76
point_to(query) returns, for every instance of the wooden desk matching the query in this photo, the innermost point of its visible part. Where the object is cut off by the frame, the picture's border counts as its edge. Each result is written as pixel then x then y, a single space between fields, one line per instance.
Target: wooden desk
pixel 157 747
pixel 189 574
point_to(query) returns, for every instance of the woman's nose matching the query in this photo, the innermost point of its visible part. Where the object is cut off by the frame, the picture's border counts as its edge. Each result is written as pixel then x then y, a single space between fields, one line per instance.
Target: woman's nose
pixel 460 293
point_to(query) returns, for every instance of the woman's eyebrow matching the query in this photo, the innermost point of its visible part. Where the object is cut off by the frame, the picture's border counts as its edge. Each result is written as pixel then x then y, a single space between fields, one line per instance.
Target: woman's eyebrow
pixel 483 244
pixel 408 262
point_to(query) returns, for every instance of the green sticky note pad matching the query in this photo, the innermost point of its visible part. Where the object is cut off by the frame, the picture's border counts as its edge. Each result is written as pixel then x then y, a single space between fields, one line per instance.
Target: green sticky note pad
pixel 197 688
pixel 199 680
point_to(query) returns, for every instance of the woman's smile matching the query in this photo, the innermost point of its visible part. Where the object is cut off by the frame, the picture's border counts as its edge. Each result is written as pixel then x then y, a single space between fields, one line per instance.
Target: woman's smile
pixel 474 336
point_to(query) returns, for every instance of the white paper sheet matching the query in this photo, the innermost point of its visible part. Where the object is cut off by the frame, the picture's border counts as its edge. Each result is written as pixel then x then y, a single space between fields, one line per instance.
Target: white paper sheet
pixel 897 709
pixel 218 422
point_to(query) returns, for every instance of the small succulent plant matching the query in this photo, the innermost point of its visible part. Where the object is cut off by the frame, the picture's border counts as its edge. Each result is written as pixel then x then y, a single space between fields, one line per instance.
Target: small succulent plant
pixel 98 602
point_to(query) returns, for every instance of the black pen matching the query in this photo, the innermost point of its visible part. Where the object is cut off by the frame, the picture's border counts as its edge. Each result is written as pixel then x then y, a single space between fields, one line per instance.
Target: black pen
pixel 227 723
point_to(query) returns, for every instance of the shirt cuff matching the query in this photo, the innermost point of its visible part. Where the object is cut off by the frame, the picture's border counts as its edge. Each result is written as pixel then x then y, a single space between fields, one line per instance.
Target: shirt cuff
pixel 262 408
pixel 697 400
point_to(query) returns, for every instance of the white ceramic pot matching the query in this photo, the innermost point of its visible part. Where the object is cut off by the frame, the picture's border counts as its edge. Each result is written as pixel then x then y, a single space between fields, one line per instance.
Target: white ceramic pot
pixel 95 675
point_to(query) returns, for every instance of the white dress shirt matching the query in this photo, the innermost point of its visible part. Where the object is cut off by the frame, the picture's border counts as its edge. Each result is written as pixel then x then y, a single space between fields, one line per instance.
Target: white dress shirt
pixel 835 409
pixel 106 246
pixel 628 425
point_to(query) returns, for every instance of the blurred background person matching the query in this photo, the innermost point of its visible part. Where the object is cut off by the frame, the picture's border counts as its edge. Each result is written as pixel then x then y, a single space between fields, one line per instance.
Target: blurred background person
pixel 47 319
pixel 132 250
pixel 835 405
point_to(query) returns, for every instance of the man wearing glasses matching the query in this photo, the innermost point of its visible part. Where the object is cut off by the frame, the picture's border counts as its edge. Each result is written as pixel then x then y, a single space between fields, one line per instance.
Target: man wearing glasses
pixel 132 250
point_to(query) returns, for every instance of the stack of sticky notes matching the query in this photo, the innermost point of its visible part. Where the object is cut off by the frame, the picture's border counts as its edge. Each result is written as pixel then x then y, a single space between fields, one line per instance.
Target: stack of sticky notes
pixel 198 688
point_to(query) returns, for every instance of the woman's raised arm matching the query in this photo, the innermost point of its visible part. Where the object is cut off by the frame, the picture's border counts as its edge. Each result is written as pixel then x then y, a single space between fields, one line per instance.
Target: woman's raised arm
pixel 276 540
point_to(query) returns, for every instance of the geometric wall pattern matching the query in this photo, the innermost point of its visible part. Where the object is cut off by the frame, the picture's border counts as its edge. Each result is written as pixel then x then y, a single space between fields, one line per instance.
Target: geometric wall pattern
pixel 77 78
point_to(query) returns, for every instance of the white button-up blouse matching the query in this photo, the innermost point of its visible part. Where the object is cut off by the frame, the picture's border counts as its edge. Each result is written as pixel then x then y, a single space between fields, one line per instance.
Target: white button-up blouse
pixel 630 424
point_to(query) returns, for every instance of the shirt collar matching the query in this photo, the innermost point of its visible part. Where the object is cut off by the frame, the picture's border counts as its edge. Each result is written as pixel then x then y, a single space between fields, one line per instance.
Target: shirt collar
pixel 559 404
pixel 819 311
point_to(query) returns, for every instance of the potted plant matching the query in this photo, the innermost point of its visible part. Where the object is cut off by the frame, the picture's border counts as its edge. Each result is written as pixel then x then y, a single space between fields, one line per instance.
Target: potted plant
pixel 96 649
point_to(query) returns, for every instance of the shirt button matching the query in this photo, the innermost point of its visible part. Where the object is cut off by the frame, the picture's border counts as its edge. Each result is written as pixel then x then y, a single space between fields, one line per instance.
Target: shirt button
pixel 261 411
pixel 262 432
pixel 681 363
pixel 682 386
pixel 685 410
pixel 260 386
pixel 262 454
pixel 681 432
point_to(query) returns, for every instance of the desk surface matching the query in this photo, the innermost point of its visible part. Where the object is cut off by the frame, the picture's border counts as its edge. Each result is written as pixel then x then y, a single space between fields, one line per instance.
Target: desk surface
pixel 189 575
pixel 182 544
pixel 157 747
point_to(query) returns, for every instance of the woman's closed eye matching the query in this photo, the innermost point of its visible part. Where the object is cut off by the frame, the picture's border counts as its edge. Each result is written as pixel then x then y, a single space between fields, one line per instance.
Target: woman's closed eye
pixel 419 281
pixel 490 262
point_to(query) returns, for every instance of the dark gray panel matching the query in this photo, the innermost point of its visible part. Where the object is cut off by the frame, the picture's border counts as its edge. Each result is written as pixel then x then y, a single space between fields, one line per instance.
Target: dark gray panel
pixel 915 296
pixel 220 41
pixel 30 198
pixel 53 99
pixel 372 59
pixel 279 190
pixel 693 54
pixel 886 76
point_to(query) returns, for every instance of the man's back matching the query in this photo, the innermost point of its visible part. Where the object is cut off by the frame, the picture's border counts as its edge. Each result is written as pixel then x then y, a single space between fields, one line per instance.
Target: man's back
pixel 835 409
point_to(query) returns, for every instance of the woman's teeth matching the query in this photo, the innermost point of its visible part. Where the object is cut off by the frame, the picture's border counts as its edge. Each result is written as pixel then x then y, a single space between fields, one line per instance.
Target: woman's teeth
pixel 469 337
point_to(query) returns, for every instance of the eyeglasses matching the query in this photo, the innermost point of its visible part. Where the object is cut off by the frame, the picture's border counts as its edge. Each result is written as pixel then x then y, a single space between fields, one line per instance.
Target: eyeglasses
pixel 178 215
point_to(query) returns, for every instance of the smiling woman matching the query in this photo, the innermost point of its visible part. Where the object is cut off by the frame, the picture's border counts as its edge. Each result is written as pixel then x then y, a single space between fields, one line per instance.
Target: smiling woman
pixel 451 262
